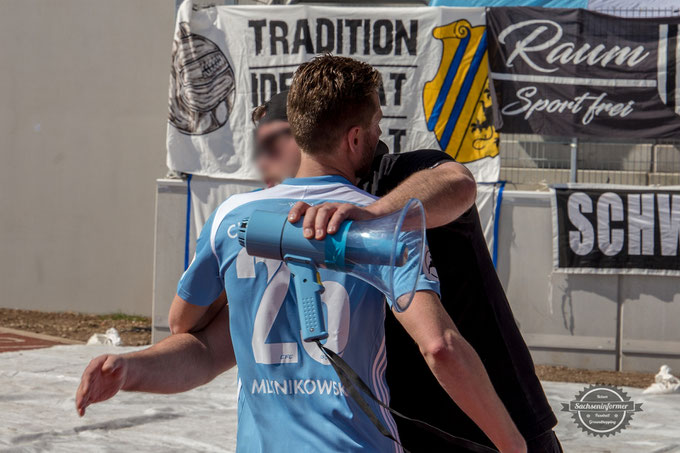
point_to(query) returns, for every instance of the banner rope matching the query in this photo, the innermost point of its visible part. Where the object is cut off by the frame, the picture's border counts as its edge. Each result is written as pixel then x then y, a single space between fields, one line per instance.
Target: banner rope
pixel 188 224
pixel 496 221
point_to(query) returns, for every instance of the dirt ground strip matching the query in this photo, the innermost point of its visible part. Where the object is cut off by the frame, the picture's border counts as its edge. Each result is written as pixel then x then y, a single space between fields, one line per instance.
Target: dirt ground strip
pixel 618 378
pixel 136 331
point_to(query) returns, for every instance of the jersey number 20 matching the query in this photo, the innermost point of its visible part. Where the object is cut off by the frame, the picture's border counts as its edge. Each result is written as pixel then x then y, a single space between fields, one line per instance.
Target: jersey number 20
pixel 335 298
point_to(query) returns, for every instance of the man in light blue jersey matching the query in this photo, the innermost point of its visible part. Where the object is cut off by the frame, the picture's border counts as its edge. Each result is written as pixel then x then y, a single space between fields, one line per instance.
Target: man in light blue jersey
pixel 290 397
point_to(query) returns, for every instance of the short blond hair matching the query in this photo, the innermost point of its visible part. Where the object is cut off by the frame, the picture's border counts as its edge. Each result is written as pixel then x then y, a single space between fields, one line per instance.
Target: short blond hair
pixel 328 95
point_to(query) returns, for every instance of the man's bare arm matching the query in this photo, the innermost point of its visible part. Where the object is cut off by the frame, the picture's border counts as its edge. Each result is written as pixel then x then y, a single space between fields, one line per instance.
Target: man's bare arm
pixel 459 370
pixel 176 364
pixel 185 317
pixel 446 191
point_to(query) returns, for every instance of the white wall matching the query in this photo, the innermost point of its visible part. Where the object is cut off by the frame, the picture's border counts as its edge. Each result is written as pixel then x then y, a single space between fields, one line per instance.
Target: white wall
pixel 611 322
pixel 83 109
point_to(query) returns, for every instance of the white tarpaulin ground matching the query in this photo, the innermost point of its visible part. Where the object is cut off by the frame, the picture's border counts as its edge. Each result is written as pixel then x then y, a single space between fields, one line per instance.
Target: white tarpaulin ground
pixel 37 412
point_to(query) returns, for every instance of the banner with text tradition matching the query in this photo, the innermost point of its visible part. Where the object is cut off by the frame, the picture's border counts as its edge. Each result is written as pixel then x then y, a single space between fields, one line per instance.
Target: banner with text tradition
pixel 226 60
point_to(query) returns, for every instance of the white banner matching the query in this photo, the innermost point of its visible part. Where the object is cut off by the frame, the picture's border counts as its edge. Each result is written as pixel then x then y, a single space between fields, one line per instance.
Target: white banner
pixel 226 60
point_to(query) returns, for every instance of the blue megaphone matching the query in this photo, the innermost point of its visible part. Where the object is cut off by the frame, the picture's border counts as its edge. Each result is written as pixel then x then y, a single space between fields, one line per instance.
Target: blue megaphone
pixel 386 252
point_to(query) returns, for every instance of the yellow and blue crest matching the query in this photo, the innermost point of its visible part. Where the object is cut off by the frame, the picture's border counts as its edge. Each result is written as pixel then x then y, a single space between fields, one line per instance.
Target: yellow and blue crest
pixel 457 101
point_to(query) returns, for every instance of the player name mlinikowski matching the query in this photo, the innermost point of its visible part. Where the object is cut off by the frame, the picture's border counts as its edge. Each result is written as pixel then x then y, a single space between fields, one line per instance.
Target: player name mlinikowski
pixel 298 387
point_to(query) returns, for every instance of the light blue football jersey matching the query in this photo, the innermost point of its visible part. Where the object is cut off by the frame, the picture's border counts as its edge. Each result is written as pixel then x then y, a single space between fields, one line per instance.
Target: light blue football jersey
pixel 290 398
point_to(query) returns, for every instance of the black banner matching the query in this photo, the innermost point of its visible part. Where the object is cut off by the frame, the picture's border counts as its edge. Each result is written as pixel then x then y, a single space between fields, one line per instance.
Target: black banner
pixel 631 229
pixel 577 73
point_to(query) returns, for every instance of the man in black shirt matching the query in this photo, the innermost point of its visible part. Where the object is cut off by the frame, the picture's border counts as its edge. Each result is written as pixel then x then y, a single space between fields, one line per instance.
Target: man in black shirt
pixel 474 298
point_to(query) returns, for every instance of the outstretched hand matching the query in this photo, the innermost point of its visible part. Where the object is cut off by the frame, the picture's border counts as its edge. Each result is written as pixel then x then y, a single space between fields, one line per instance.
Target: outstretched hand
pixel 101 380
pixel 325 218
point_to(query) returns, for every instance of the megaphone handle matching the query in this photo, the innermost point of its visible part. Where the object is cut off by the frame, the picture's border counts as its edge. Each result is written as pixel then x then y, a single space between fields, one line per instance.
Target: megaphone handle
pixel 308 289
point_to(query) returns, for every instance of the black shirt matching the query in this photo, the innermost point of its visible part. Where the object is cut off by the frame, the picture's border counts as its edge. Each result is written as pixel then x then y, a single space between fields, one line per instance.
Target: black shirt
pixel 474 298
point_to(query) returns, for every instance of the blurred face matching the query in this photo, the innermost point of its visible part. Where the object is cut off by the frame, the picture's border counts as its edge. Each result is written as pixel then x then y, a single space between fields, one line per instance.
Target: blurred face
pixel 277 156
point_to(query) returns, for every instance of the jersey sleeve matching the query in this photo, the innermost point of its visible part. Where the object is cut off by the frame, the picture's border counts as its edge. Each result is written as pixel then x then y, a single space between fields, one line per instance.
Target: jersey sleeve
pixel 201 283
pixel 392 169
pixel 427 277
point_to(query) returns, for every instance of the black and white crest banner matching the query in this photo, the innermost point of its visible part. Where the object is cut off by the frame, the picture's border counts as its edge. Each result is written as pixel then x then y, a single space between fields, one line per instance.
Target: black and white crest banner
pixel 226 60
pixel 616 229
pixel 578 73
